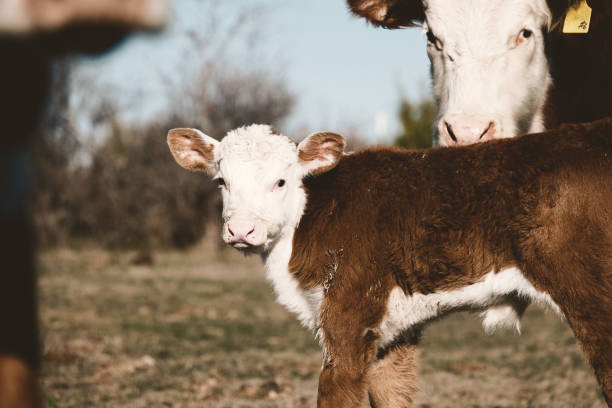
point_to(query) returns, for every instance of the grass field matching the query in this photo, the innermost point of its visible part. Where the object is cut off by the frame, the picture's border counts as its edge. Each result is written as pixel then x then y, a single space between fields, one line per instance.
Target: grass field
pixel 201 329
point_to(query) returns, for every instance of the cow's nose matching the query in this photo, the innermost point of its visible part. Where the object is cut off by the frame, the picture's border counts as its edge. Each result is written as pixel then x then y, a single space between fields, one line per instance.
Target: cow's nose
pixel 467 131
pixel 241 230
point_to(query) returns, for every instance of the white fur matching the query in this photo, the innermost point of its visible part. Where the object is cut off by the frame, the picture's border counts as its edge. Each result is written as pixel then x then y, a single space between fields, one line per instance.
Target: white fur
pixel 252 160
pixel 489 294
pixel 481 74
pixel 502 316
pixel 305 304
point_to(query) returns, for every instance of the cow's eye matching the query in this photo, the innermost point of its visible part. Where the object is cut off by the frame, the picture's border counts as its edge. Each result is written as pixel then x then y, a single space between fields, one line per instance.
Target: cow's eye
pixel 220 182
pixel 280 183
pixel 523 36
pixel 433 40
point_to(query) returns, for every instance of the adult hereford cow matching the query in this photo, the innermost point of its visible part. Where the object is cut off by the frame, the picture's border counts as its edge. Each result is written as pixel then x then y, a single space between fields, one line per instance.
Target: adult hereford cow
pixel 368 248
pixel 503 68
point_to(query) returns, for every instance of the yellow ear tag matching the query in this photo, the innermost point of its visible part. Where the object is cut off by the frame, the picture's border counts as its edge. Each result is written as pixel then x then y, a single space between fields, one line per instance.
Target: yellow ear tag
pixel 578 19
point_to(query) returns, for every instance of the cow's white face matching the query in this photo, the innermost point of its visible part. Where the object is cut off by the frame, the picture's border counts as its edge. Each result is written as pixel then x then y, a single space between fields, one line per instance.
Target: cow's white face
pixel 489 68
pixel 260 177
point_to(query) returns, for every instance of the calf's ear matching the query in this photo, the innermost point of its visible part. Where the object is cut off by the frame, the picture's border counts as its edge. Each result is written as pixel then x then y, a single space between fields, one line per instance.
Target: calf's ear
pixel 320 152
pixel 389 13
pixel 192 149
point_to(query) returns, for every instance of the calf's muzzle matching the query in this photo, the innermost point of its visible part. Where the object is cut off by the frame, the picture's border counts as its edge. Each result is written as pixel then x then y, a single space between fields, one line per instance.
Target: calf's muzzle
pixel 241 233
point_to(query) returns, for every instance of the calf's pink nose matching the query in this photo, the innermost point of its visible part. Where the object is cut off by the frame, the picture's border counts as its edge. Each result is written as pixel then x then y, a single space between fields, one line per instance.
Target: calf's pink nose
pixel 462 132
pixel 241 230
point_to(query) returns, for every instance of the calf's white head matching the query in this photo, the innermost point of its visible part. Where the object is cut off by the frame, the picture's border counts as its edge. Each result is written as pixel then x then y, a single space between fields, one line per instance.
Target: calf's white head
pixel 260 177
pixel 489 68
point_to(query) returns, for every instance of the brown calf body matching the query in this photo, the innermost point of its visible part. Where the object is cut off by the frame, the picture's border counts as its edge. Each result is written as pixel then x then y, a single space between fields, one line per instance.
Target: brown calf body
pixel 441 219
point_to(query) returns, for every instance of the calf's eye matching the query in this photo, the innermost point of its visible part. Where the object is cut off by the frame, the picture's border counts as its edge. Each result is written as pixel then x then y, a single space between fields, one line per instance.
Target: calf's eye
pixel 280 183
pixel 220 182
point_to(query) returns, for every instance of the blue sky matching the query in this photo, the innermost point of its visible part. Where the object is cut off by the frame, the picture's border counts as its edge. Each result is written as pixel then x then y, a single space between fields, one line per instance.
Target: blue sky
pixel 345 73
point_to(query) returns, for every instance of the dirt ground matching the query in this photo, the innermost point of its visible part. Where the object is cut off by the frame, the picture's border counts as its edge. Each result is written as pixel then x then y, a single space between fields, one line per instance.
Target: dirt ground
pixel 201 329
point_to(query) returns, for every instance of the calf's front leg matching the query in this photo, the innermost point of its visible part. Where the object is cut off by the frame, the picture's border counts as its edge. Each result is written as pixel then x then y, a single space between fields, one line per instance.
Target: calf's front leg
pixel 392 379
pixel 340 387
pixel 347 356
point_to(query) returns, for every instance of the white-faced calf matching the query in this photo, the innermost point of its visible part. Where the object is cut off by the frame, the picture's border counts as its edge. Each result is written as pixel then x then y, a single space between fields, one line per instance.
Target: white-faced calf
pixel 367 248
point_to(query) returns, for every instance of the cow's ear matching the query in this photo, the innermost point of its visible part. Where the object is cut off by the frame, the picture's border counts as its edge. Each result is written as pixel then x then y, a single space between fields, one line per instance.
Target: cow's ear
pixel 192 149
pixel 320 152
pixel 558 9
pixel 389 13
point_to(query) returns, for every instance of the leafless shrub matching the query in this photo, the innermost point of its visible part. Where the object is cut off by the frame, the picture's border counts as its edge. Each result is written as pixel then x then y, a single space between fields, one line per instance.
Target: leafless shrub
pixel 134 195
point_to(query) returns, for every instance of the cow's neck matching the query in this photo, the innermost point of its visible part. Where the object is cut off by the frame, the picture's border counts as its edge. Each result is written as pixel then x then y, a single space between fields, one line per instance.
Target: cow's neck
pixel 304 303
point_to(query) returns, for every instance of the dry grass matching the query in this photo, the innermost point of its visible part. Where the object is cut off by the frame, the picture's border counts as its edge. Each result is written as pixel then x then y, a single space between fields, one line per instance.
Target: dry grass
pixel 201 329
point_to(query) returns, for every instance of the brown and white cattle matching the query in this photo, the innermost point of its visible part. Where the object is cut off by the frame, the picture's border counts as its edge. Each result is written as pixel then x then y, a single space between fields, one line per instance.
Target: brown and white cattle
pixel 505 68
pixel 368 248
pixel 502 68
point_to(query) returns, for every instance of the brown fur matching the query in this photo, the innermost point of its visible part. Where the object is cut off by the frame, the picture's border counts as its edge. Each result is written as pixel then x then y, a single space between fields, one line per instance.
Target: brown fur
pixel 389 13
pixel 392 380
pixel 441 219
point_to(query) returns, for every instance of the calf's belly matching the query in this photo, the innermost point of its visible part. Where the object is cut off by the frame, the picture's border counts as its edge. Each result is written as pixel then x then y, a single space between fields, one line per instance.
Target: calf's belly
pixel 500 296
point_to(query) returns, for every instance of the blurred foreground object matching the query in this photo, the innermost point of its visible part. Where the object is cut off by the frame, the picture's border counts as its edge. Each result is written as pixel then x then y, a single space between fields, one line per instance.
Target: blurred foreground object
pixel 27 16
pixel 19 387
pixel 32 33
